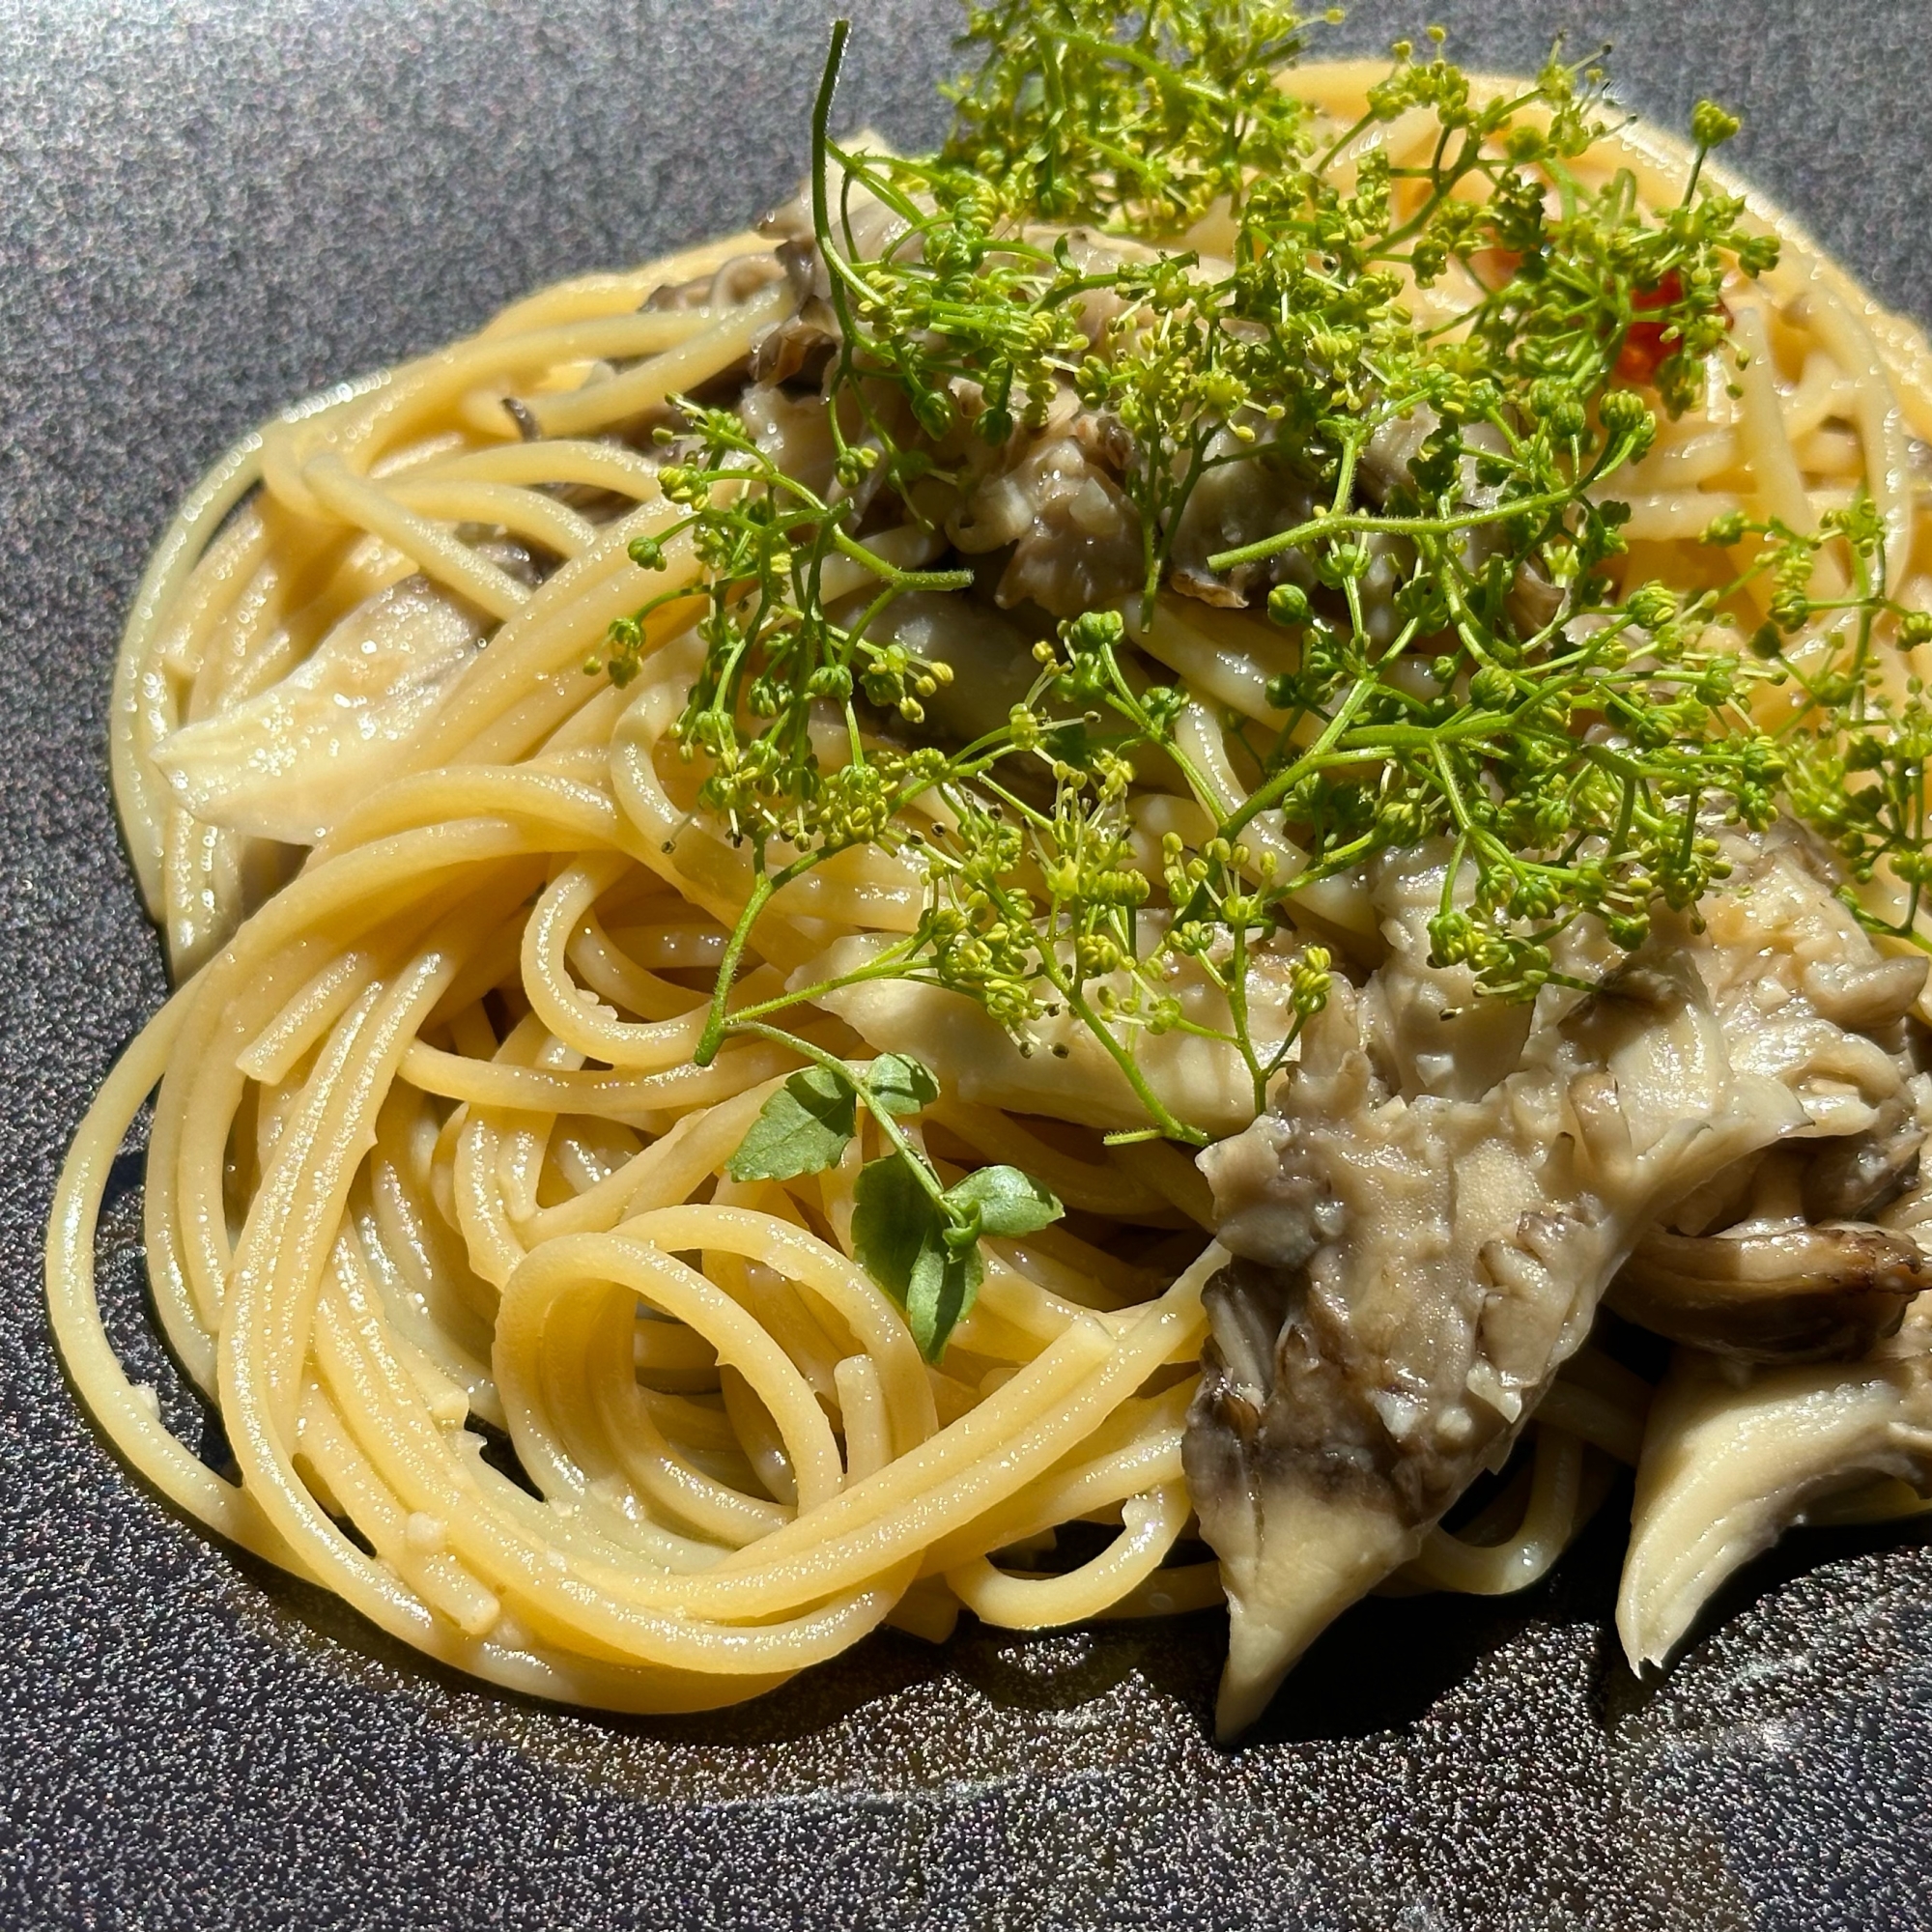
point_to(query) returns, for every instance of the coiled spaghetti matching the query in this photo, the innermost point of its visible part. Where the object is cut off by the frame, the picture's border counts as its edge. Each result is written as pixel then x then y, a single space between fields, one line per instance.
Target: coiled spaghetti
pixel 430 1163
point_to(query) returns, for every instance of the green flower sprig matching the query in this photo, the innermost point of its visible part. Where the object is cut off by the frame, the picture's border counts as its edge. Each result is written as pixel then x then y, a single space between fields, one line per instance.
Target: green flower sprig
pixel 1856 744
pixel 1143 122
pixel 1441 543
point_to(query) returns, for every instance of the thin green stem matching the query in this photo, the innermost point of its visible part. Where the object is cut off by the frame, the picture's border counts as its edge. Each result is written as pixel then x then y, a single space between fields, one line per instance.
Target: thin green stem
pixel 717 1020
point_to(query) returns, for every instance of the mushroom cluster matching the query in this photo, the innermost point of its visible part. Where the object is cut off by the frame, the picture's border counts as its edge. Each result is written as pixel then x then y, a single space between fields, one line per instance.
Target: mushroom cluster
pixel 1722 1141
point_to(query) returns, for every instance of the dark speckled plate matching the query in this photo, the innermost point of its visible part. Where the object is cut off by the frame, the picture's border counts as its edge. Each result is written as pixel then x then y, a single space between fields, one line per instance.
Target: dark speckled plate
pixel 209 206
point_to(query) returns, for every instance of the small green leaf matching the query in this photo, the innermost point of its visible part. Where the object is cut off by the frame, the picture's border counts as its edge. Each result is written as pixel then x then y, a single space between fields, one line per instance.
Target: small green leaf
pixel 804 1126
pixel 941 1294
pixel 891 1215
pixel 901 1086
pixel 1009 1202
pixel 898 1235
pixel 801 1129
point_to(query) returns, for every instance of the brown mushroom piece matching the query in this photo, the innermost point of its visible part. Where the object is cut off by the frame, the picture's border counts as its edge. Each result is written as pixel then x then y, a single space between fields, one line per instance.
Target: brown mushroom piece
pixel 796 344
pixel 1430 1209
pixel 736 281
pixel 1805 1293
pixel 810 330
pixel 1075 537
pixel 1236 500
pixel 1385 460
pixel 1733 1457
pixel 1851 1178
pixel 1421 1257
pixel 992 663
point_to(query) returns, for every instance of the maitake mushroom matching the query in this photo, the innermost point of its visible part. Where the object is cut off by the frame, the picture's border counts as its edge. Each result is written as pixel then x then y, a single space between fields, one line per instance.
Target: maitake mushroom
pixel 1446 1186
pixel 1733 1458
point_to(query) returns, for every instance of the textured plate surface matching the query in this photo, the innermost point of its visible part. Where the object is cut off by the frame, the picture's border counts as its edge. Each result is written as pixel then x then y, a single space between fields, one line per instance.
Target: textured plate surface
pixel 207 207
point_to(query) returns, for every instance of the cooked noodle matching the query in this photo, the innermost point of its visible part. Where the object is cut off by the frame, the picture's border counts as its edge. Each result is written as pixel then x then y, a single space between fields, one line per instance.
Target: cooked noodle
pixel 430 1158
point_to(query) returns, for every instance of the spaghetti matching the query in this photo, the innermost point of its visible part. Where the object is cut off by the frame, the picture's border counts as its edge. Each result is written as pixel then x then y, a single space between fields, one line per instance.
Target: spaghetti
pixel 431 1166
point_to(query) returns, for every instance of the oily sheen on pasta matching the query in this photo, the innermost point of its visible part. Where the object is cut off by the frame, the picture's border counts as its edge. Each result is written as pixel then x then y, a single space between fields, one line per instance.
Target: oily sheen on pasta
pixel 434 1169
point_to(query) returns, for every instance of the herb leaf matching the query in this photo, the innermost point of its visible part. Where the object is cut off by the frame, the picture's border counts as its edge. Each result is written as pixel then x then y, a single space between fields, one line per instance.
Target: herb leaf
pixel 919 1243
pixel 898 1236
pixel 807 1124
pixel 900 1084
pixel 941 1294
pixel 1009 1202
pixel 924 1252
pixel 803 1128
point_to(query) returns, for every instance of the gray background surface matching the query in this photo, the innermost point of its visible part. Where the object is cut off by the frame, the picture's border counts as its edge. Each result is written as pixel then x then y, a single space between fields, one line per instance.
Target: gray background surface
pixel 206 210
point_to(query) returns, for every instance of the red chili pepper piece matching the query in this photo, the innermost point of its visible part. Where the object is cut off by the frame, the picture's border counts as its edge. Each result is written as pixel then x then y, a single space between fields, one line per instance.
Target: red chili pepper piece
pixel 1644 347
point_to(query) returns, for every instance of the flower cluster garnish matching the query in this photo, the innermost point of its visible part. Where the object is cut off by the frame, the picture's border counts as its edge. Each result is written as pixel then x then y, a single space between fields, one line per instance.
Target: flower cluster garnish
pixel 1438 354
